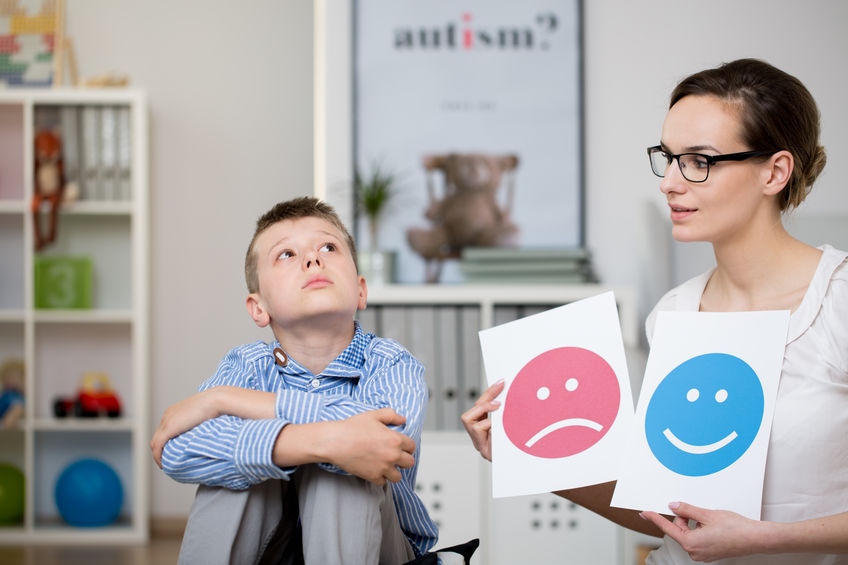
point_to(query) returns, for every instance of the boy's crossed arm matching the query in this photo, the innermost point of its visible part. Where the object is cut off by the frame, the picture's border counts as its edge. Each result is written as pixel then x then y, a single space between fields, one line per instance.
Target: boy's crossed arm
pixel 361 444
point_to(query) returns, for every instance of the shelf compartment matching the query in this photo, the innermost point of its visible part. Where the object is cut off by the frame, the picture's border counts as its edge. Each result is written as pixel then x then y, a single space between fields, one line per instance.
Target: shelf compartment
pixel 11 340
pixel 106 239
pixel 63 353
pixel 54 451
pixel 12 265
pixel 96 147
pixel 11 151
pixel 12 453
pixel 12 447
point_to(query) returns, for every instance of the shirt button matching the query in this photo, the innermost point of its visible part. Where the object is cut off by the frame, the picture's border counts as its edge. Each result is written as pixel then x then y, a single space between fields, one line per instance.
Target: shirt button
pixel 314 383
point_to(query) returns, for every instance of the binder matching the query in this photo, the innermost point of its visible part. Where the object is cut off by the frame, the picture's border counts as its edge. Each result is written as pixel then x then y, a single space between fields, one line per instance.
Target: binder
pixel 90 188
pixel 108 152
pixel 69 120
pixel 471 379
pixel 502 314
pixel 421 334
pixel 124 153
pixel 393 323
pixel 449 363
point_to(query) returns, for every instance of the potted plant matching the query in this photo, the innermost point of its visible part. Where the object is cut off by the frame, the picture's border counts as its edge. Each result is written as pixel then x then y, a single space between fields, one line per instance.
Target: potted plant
pixel 373 192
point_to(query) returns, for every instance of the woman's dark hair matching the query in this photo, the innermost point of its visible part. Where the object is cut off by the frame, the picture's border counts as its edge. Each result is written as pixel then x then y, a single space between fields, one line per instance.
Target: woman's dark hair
pixel 777 112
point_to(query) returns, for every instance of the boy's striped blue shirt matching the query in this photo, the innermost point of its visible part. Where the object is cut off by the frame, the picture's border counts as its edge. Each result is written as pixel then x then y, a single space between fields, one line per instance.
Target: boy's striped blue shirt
pixel 370 373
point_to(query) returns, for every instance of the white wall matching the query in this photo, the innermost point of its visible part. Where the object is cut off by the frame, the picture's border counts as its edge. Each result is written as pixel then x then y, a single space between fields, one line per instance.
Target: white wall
pixel 230 94
pixel 230 87
pixel 635 52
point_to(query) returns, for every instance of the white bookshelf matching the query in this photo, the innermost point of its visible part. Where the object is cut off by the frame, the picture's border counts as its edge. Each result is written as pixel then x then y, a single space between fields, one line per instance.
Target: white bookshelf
pixel 108 223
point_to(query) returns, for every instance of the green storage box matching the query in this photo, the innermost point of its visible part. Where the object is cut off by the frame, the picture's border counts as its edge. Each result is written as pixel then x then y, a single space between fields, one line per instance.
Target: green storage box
pixel 63 282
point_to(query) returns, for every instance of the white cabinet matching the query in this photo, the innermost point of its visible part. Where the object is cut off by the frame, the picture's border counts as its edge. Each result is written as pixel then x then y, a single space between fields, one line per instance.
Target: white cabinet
pixel 104 136
pixel 439 325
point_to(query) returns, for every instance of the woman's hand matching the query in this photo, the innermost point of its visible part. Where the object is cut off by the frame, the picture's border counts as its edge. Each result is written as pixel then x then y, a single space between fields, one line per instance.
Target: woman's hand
pixel 476 419
pixel 718 534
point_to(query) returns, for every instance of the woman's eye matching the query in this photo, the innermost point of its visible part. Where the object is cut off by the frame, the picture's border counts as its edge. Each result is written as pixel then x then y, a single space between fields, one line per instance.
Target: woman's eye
pixel 328 247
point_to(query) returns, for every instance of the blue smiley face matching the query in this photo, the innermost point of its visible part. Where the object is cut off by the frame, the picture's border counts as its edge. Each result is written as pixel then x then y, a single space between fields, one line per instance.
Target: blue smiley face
pixel 704 414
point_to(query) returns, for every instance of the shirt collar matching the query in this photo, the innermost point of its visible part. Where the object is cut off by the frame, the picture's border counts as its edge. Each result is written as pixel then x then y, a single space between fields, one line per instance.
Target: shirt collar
pixel 347 364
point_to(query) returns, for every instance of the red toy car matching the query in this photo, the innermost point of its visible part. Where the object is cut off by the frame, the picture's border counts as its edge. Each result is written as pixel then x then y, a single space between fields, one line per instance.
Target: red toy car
pixel 95 397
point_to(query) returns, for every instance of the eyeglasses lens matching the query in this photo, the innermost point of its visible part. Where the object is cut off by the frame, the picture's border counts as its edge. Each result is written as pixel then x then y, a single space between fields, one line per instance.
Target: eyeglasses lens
pixel 693 167
pixel 659 162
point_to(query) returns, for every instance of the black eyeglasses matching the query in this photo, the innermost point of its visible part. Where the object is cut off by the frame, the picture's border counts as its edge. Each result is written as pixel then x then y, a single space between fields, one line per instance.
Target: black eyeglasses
pixel 695 167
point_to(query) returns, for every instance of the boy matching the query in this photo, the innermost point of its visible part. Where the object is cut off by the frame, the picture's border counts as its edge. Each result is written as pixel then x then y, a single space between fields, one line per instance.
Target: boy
pixel 315 409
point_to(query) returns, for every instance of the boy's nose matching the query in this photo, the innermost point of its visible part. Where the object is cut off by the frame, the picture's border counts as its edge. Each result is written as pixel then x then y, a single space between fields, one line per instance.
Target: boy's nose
pixel 312 262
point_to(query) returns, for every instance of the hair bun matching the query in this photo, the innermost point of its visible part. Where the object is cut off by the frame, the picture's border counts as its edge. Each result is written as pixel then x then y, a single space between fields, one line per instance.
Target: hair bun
pixel 817 163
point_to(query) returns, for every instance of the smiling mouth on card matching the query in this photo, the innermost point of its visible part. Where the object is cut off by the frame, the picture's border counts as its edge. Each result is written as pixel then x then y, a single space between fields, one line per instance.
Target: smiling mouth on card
pixel 698 449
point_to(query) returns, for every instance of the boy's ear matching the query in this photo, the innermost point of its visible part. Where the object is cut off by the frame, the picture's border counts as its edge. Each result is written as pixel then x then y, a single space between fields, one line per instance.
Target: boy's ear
pixel 780 171
pixel 363 294
pixel 257 311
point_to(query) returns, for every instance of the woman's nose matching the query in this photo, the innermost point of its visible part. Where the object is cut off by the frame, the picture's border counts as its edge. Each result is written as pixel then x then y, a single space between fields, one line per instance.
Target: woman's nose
pixel 673 180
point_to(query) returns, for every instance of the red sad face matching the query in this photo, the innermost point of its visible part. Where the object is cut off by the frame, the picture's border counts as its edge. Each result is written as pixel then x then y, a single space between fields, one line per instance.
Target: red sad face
pixel 562 402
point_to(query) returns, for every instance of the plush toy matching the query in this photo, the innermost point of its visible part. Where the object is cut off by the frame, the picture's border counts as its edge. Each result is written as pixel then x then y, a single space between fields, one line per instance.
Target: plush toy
pixel 11 393
pixel 468 213
pixel 49 183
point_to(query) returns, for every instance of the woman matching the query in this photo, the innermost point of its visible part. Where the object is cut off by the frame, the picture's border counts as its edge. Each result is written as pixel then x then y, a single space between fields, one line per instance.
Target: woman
pixel 739 147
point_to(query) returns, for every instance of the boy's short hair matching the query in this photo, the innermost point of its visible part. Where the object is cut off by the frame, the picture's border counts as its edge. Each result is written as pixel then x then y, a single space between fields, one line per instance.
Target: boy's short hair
pixel 303 207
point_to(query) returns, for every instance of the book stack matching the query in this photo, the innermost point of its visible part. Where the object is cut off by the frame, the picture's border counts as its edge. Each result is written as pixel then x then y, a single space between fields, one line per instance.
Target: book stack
pixel 505 265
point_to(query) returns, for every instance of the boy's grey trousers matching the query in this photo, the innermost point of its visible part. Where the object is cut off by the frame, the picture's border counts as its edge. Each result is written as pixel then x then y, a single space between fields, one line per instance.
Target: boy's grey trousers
pixel 343 520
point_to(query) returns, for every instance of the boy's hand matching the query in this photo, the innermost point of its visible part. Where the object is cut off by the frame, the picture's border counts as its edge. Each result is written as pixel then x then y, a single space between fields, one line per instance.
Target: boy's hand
pixel 181 417
pixel 363 445
pixel 368 448
pixel 240 402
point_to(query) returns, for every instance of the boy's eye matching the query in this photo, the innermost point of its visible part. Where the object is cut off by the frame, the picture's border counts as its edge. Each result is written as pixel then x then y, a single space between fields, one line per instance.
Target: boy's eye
pixel 285 254
pixel 328 247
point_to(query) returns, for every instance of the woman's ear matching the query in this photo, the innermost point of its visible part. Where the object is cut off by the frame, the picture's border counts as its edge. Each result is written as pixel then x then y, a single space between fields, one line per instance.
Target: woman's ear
pixel 781 165
pixel 257 311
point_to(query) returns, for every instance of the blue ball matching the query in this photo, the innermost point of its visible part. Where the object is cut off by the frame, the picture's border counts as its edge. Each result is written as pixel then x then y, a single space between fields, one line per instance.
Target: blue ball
pixel 89 494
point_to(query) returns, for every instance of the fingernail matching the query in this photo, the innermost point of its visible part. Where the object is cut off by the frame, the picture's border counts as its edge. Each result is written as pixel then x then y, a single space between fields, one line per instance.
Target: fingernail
pixel 495 403
pixel 642 515
pixel 499 381
pixel 673 505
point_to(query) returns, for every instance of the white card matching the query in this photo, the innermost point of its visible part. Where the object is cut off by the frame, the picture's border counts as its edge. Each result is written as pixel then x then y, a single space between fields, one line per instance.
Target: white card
pixel 566 407
pixel 704 415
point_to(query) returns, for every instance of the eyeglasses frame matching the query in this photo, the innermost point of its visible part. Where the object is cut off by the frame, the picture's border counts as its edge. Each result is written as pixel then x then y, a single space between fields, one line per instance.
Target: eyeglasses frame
pixel 710 159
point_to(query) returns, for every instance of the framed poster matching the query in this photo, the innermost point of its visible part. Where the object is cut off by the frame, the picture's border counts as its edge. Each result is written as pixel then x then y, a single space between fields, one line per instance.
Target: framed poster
pixel 30 37
pixel 475 110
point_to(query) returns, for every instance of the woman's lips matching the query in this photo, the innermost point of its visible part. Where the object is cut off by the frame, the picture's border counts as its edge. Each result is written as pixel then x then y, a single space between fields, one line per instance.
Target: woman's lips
pixel 680 212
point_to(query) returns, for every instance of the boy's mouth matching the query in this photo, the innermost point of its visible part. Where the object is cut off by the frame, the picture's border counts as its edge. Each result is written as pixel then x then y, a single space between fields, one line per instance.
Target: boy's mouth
pixel 317 281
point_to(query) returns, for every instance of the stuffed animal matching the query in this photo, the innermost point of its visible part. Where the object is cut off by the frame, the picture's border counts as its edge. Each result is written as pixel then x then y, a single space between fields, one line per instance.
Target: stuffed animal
pixel 468 213
pixel 49 184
